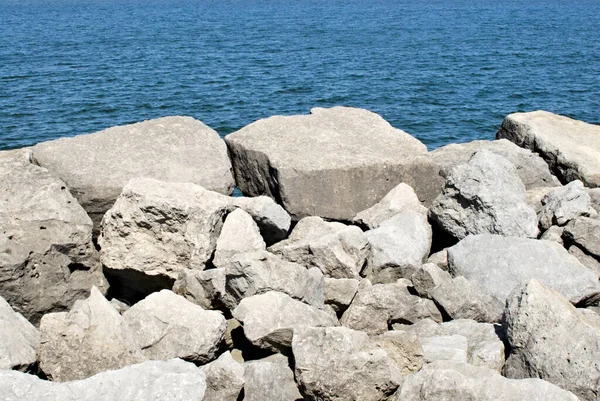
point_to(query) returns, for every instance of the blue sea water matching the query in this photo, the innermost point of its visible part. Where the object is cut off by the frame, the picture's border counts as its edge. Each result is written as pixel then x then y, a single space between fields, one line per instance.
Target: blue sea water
pixel 444 71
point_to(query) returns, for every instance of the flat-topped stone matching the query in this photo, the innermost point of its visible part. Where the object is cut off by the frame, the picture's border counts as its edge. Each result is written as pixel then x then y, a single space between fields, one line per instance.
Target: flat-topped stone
pixel 97 166
pixel 332 163
pixel 570 147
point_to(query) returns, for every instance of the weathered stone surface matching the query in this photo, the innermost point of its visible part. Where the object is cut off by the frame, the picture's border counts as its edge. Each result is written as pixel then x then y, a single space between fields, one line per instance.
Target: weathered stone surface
pixel 47 259
pixel 440 259
pixel 444 348
pixel 332 163
pixel 400 199
pixel 550 339
pixel 173 380
pixel 97 166
pixel 427 277
pixel 270 319
pixel 459 299
pixel 270 379
pixel 570 147
pixel 375 307
pixel 584 232
pixel 594 194
pixel 485 347
pixel 19 339
pixel 534 197
pixel 339 292
pixel 498 264
pixel 531 168
pixel 565 204
pixel 89 339
pixel 338 363
pixel 166 325
pixel 585 259
pixel 274 222
pixel 224 379
pixel 239 235
pixel 340 251
pixel 554 233
pixel 452 381
pixel 248 275
pixel 484 196
pixel 399 246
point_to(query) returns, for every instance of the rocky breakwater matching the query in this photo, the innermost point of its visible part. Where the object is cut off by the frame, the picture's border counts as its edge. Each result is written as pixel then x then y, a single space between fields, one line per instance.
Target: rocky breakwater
pixel 358 267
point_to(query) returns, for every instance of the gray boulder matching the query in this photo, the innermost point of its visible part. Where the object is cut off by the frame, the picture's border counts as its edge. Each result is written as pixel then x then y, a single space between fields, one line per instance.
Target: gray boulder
pixel 400 199
pixel 272 220
pixel 19 339
pixel 484 196
pixel 444 348
pixel 270 379
pixel 340 251
pixel 554 233
pixel 332 163
pixel 47 259
pixel 270 319
pixel 498 264
pixel 239 235
pixel 594 194
pixel 173 380
pixel 427 277
pixel 399 246
pixel 585 233
pixel 375 307
pixel 166 325
pixel 224 379
pixel 91 338
pixel 585 259
pixel 530 167
pixel 549 338
pixel 459 299
pixel 97 166
pixel 251 274
pixel 337 363
pixel 452 381
pixel 439 258
pixel 157 229
pixel 534 197
pixel 339 292
pixel 565 204
pixel 570 147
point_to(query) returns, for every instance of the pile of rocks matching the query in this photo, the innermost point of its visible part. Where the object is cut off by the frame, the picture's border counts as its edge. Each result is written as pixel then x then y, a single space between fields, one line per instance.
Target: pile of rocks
pixel 359 266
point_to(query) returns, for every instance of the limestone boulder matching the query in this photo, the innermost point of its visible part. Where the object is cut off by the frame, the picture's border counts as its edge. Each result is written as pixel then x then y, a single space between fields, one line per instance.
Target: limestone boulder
pixel 251 274
pixel 340 251
pixel 339 292
pixel 585 259
pixel 337 363
pixel 224 379
pixel 554 233
pixel 47 258
pixel 427 277
pixel 440 258
pixel 565 204
pixel 399 246
pixel 272 220
pixel 332 163
pixel 534 197
pixel 498 264
pixel 173 380
pixel 550 339
pixel 484 196
pixel 166 325
pixel 19 339
pixel 239 235
pixel 269 320
pixel 453 381
pixel 97 166
pixel 594 194
pixel 444 348
pixel 459 299
pixel 270 379
pixel 91 338
pixel 585 233
pixel 376 307
pixel 570 147
pixel 401 198
pixel 530 167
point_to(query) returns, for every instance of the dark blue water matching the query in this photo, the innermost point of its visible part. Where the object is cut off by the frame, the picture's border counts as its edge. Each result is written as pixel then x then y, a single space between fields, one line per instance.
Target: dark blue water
pixel 444 71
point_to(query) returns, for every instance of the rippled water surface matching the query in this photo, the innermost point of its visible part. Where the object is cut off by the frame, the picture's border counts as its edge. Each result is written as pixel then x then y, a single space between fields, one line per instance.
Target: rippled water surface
pixel 444 71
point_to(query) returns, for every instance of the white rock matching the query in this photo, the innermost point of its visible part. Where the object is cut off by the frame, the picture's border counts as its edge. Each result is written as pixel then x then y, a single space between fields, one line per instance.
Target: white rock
pixel 270 379
pixel 339 292
pixel 427 277
pixel 19 339
pixel 565 204
pixel 239 235
pixel 444 348
pixel 224 379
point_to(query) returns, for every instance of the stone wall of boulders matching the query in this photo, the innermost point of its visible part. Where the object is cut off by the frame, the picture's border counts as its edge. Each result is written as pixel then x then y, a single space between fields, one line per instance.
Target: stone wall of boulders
pixel 358 265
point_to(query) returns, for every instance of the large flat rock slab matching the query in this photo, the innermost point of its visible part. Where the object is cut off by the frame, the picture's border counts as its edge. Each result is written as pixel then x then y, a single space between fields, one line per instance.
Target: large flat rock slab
pixel 570 147
pixel 47 259
pixel 332 163
pixel 97 166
